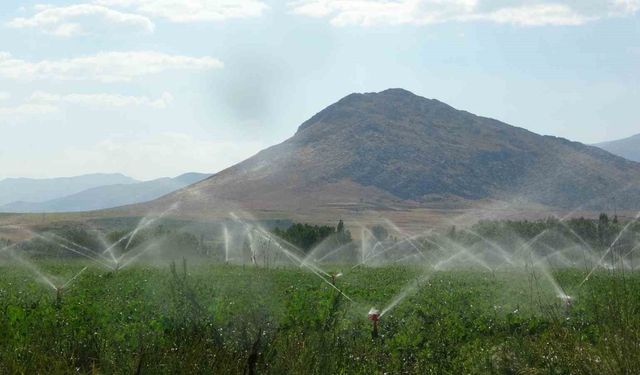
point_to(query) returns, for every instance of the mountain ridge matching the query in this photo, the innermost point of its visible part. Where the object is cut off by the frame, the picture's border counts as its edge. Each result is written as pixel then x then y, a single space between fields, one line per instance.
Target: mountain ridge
pixel 628 148
pixel 30 189
pixel 397 149
pixel 107 196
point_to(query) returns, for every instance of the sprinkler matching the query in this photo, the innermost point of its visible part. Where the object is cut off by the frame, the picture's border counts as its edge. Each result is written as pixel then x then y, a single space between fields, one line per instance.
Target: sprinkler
pixel 59 293
pixel 60 289
pixel 334 277
pixel 566 300
pixel 374 316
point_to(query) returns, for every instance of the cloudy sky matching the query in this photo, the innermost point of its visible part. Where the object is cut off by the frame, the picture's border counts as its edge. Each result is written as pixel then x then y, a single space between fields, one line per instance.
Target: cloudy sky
pixel 156 88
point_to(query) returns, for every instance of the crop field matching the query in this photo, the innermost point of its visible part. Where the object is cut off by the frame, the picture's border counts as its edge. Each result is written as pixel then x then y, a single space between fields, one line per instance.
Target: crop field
pixel 544 297
pixel 216 318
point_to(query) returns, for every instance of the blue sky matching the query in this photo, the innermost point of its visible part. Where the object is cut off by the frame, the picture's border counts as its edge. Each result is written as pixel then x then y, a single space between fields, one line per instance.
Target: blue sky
pixel 156 88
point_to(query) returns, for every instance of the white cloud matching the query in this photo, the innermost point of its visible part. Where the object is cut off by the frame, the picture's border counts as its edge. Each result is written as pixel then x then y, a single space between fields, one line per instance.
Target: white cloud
pixel 420 12
pixel 373 12
pixel 4 95
pixel 28 109
pixel 625 7
pixel 192 10
pixel 77 19
pixel 104 67
pixel 101 100
pixel 535 15
pixel 42 103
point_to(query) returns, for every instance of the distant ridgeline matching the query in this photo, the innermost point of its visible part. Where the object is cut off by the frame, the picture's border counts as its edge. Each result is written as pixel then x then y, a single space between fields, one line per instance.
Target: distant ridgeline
pixel 85 193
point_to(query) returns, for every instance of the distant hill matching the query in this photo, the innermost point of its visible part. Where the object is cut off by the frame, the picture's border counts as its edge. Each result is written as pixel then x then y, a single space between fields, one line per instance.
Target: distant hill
pixel 108 196
pixel 36 190
pixel 396 150
pixel 628 148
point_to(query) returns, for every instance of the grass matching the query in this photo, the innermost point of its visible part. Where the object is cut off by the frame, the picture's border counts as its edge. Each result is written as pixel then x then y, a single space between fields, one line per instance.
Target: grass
pixel 212 318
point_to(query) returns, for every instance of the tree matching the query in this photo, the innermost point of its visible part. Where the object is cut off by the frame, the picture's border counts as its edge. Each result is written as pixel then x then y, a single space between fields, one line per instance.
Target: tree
pixel 340 227
pixel 380 232
pixel 306 236
pixel 603 229
pixel 343 235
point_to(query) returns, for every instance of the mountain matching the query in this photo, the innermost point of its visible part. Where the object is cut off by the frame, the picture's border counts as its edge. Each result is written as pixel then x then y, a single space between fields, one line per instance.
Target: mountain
pixel 37 190
pixel 628 148
pixel 190 178
pixel 108 196
pixel 394 150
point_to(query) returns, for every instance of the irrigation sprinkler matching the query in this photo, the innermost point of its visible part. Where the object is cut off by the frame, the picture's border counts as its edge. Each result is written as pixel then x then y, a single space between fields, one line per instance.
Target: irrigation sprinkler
pixel 60 289
pixel 59 292
pixel 334 277
pixel 567 301
pixel 374 317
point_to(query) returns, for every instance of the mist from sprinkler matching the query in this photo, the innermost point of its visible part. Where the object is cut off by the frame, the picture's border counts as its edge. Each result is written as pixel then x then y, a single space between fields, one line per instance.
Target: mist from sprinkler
pixel 613 244
pixel 406 236
pixel 226 244
pixel 144 223
pixel 445 254
pixel 61 289
pixel 333 252
pixel 45 278
pixel 97 259
pixel 289 254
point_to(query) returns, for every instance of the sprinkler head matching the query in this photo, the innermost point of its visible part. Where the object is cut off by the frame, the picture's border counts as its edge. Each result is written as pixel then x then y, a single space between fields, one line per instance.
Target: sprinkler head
pixel 59 292
pixel 374 314
pixel 567 300
pixel 334 277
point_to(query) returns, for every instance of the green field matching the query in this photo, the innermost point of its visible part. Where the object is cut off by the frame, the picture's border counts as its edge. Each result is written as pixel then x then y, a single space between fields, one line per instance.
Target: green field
pixel 212 318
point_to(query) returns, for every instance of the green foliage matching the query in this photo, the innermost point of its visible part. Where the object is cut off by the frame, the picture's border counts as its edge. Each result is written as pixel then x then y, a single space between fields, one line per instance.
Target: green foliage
pixel 223 319
pixel 598 234
pixel 380 232
pixel 305 236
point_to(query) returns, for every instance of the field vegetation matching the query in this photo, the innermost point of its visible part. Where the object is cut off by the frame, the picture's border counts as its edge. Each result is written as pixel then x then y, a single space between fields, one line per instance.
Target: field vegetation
pixel 191 312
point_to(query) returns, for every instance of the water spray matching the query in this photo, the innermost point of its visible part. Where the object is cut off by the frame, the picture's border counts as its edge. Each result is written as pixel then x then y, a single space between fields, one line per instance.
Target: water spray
pixel 60 289
pixel 144 223
pixel 97 259
pixel 289 254
pixel 407 237
pixel 611 247
pixel 226 244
